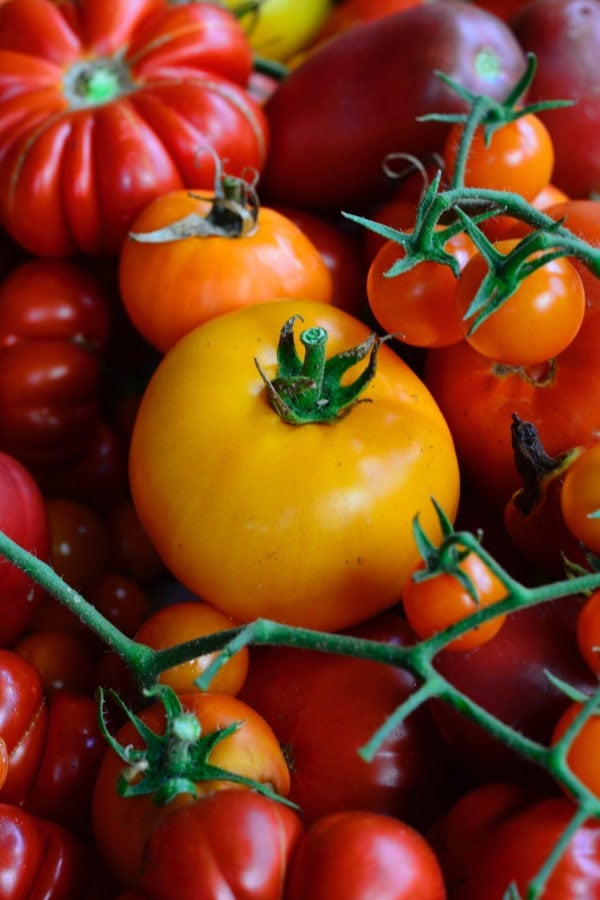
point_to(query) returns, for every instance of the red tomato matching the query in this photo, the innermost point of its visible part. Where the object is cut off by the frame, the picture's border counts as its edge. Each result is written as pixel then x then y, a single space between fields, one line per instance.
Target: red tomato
pixel 23 518
pixel 582 755
pixel 230 844
pixel 122 825
pixel 588 631
pixel 79 549
pixel 436 603
pixel 519 157
pixel 355 854
pixel 105 107
pixel 62 659
pixel 565 35
pixel 580 498
pixel 330 154
pixel 324 708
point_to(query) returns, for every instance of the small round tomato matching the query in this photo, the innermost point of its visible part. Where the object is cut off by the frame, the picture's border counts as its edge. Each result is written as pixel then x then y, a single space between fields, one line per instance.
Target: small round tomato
pixel 537 321
pixel 580 498
pixel 582 755
pixel 232 843
pixel 356 854
pixel 121 600
pixel 518 158
pixel 172 284
pixel 418 306
pixel 261 517
pixel 436 603
pixel 79 549
pixel 588 631
pixel 132 551
pixel 122 825
pixel 178 622
pixel 62 659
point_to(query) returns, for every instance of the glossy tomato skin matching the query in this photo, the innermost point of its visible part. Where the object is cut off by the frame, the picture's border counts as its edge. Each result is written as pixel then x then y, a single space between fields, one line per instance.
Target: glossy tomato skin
pixel 169 288
pixel 324 708
pixel 122 825
pixel 565 36
pixel 232 843
pixel 296 531
pixel 355 854
pixel 23 518
pixel 174 94
pixel 330 155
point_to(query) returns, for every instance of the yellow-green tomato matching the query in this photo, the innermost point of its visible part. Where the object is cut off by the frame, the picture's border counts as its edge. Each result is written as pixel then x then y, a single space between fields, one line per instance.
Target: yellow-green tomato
pixel 279 28
pixel 307 524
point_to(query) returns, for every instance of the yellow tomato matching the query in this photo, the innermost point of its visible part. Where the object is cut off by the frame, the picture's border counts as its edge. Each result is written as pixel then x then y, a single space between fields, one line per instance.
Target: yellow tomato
pixel 279 28
pixel 306 524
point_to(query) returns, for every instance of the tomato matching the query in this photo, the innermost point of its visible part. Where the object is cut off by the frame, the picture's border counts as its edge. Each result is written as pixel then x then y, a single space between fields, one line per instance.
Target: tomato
pixel 324 708
pixel 580 498
pixel 498 227
pixel 518 157
pixel 42 859
pixel 582 755
pixel 232 843
pixel 508 677
pixel 122 825
pixel 512 843
pixel 61 657
pixel 537 321
pixel 178 622
pixel 330 154
pixel 151 89
pixel 79 549
pixel 588 631
pixel 23 518
pixel 564 36
pixel 436 603
pixel 349 13
pixel 132 552
pixel 357 853
pixel 121 600
pixel 172 286
pixel 259 517
pixel 54 745
pixel 279 28
pixel 418 306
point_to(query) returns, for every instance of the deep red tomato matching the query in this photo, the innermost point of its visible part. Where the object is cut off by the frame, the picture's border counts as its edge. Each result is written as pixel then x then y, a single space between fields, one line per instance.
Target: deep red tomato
pixel 107 106
pixel 79 542
pixel 324 708
pixel 330 154
pixel 436 603
pixel 23 518
pixel 496 835
pixel 229 844
pixel 355 854
pixel 565 36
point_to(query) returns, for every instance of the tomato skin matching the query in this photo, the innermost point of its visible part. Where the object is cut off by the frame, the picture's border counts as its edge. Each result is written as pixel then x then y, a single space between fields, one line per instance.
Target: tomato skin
pixel 249 864
pixel 580 498
pixel 588 631
pixel 324 708
pixel 23 723
pixel 564 36
pixel 326 562
pixel 171 287
pixel 436 603
pixel 179 77
pixel 357 853
pixel 80 547
pixel 23 518
pixel 122 825
pixel 330 155
pixel 518 158
pixel 582 755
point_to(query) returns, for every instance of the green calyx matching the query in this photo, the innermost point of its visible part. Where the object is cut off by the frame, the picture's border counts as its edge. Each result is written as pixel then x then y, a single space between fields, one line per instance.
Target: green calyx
pixel 177 760
pixel 96 81
pixel 310 390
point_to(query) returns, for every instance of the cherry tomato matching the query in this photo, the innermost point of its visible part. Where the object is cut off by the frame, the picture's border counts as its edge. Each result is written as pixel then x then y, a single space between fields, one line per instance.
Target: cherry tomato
pixel 588 631
pixel 435 603
pixel 132 552
pixel 519 157
pixel 536 323
pixel 121 600
pixel 582 755
pixel 418 306
pixel 61 658
pixel 357 853
pixel 580 498
pixel 231 843
pixel 79 542
pixel 178 622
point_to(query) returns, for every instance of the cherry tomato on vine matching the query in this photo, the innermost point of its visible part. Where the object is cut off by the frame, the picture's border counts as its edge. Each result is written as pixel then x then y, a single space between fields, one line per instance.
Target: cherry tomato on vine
pixel 518 158
pixel 418 306
pixel 580 498
pixel 582 755
pixel 436 603
pixel 536 323
pixel 588 631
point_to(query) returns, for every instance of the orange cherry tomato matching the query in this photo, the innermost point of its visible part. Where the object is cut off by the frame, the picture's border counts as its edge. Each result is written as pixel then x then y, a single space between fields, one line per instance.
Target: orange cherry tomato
pixel 588 631
pixel 580 498
pixel 582 756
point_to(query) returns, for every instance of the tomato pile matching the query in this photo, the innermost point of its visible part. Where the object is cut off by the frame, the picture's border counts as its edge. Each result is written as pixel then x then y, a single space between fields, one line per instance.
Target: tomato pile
pixel 299 450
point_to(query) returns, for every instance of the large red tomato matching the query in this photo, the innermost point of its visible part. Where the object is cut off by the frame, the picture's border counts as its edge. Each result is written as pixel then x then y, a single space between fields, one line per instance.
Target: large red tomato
pixel 107 105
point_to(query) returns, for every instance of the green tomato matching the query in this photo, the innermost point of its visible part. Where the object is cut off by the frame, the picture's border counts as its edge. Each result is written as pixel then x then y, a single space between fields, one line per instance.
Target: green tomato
pixel 277 29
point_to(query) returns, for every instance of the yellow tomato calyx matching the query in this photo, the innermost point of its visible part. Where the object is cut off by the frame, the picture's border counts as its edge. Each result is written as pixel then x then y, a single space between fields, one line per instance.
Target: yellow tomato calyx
pixel 311 390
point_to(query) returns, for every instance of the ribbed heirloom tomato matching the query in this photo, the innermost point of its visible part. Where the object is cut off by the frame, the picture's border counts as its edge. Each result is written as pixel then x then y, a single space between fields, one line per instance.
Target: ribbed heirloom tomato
pixel 309 524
